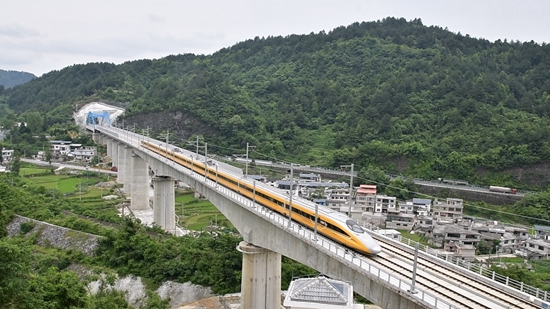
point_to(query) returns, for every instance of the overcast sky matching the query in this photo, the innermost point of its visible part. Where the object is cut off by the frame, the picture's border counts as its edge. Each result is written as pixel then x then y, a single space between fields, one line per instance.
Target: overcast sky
pixel 39 36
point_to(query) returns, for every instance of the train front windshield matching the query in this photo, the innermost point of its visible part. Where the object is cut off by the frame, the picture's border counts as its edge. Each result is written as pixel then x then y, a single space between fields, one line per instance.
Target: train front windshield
pixel 354 226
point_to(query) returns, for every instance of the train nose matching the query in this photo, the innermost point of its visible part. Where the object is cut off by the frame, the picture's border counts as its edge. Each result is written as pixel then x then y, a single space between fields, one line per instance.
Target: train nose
pixel 376 249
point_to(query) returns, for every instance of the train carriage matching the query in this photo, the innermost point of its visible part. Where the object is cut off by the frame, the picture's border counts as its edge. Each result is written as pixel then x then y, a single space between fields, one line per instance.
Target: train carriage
pixel 332 224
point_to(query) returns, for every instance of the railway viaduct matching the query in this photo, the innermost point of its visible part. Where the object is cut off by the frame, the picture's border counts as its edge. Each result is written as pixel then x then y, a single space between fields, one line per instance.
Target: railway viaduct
pixel 265 239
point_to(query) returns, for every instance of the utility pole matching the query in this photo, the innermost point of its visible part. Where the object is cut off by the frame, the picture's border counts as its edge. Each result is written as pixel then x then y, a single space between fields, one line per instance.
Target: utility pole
pixel 196 143
pixel 246 162
pixel 205 160
pixel 291 194
pixel 167 139
pixel 415 263
pixel 316 216
pixel 145 132
pixel 350 185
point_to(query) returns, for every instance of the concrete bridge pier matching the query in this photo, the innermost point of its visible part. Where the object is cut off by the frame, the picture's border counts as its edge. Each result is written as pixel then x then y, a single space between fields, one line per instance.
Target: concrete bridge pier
pixel 95 137
pixel 109 146
pixel 164 210
pixel 261 277
pixel 140 184
pixel 121 160
pixel 114 153
pixel 127 180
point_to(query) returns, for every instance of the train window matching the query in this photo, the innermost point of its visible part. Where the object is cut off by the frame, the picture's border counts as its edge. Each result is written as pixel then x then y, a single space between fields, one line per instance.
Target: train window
pixel 354 226
pixel 336 229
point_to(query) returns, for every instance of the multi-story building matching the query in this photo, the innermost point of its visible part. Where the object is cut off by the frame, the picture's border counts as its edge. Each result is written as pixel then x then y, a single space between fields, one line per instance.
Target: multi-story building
pixel 450 208
pixel 509 243
pixel 417 206
pixel 366 197
pixel 7 155
pixel 535 249
pixel 462 251
pixel 60 148
pixel 384 204
pixel 542 231
pixel 338 198
pixel 443 234
pixel 85 154
pixel 400 221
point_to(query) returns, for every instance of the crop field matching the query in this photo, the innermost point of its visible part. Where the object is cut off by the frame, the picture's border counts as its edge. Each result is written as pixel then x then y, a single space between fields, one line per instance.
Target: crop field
pixel 198 214
pixel 26 171
pixel 193 213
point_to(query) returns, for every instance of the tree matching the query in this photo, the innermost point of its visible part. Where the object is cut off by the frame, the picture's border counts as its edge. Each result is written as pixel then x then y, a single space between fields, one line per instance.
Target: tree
pixel 13 273
pixel 35 122
pixel 15 165
pixel 48 155
pixel 398 189
pixel 373 175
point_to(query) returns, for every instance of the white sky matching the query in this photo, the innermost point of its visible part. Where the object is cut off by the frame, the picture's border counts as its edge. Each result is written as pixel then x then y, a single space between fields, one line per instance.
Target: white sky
pixel 39 36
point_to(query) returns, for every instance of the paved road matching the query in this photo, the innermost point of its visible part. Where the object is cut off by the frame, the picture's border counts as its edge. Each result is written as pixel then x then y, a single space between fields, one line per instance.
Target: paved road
pixel 68 166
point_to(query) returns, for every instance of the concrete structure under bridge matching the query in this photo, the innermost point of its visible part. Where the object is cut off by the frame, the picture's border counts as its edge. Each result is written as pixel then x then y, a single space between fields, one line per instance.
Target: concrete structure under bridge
pixel 268 235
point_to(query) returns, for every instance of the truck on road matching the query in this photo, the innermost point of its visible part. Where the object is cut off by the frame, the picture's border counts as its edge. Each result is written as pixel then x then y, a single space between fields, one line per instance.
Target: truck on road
pixel 502 189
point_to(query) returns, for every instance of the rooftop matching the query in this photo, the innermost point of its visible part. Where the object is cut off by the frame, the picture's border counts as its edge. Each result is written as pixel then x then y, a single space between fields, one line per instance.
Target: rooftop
pixel 320 292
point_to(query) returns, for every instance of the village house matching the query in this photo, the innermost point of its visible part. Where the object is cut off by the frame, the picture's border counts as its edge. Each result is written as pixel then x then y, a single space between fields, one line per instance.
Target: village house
pixel 450 208
pixel 400 221
pixel 442 234
pixel 366 197
pixel 417 206
pixel 7 155
pixel 461 251
pixel 60 148
pixel 85 154
pixel 384 203
pixel 542 232
pixel 535 249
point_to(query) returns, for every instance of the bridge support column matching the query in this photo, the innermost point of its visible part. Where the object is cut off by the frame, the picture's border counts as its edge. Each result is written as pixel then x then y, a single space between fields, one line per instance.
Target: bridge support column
pixel 164 210
pixel 128 171
pixel 114 156
pixel 121 164
pixel 95 137
pixel 261 277
pixel 140 184
pixel 109 146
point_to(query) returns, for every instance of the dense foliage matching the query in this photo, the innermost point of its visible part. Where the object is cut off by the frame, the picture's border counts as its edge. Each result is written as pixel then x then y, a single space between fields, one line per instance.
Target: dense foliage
pixel 370 93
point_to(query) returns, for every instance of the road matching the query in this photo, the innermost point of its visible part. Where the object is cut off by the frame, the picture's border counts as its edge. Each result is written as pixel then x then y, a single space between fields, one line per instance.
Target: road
pixel 68 166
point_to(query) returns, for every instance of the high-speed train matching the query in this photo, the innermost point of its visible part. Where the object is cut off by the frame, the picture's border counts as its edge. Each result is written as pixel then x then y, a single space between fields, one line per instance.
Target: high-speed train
pixel 332 224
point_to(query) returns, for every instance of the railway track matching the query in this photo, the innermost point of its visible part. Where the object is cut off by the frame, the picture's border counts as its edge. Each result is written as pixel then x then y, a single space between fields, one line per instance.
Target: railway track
pixel 453 286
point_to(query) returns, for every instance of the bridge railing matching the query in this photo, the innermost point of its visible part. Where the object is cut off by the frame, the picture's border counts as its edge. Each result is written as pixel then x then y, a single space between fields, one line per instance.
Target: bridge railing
pixel 478 269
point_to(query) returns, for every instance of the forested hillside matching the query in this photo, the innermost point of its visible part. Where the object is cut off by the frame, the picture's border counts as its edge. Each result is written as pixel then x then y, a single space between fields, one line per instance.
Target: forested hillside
pixel 393 93
pixel 10 79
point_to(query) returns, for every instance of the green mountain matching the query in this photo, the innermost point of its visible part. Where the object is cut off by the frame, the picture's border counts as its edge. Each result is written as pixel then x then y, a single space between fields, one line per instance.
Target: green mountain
pixel 393 94
pixel 10 79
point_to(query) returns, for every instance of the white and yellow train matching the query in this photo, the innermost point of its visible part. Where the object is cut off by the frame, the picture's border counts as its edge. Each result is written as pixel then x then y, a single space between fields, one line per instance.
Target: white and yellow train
pixel 332 224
